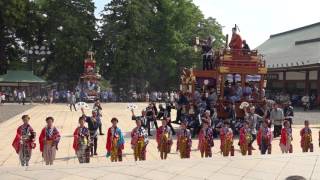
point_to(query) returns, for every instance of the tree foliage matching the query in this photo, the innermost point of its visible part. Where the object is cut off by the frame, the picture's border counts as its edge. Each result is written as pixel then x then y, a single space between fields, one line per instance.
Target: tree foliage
pixel 66 27
pixel 146 43
pixel 12 20
pixel 71 33
pixel 140 44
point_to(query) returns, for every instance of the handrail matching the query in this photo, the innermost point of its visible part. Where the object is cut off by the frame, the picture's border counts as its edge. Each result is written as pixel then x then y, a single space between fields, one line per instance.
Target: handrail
pixel 234 51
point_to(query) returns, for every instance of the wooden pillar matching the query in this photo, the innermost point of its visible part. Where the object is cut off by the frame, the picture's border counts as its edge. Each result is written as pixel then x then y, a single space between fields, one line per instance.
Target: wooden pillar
pixel 243 79
pixel 262 77
pixel 222 87
pixel 285 83
pixel 306 85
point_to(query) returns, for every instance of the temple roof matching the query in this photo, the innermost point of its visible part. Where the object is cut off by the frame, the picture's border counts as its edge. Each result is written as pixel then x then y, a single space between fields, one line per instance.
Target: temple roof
pixel 20 77
pixel 297 47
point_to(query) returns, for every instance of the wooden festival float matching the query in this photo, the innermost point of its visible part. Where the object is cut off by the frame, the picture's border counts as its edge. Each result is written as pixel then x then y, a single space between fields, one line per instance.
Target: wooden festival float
pixel 237 66
pixel 89 80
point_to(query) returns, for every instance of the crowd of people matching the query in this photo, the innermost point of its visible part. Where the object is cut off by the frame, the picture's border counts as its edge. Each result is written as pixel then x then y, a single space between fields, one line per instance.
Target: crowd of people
pixel 197 116
pixel 63 96
pixel 18 96
pixel 307 101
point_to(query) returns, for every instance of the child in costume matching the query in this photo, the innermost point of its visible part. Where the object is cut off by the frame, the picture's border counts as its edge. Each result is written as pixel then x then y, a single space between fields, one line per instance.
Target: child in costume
pixel 81 142
pixel 205 140
pixel 115 142
pixel 164 139
pixel 306 138
pixel 23 143
pixel 245 139
pixel 226 137
pixel 184 141
pixel 264 138
pixel 286 138
pixel 139 141
pixel 49 140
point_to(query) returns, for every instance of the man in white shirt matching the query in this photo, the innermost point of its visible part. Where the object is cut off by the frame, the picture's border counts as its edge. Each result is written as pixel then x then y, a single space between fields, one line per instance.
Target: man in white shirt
pixel 276 117
pixel 23 95
pixel 15 95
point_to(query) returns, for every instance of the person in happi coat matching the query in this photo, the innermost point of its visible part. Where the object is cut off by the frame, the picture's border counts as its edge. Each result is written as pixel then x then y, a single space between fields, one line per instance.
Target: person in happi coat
pixel 245 47
pixel 205 140
pixel 81 142
pixel 165 114
pixel 264 138
pixel 306 138
pixel 226 138
pixel 143 117
pixel 151 117
pixel 139 141
pixel 97 107
pixel 164 139
pixel 245 139
pixel 23 143
pixel 184 141
pixel 93 126
pixel 115 142
pixel 207 53
pixel 49 140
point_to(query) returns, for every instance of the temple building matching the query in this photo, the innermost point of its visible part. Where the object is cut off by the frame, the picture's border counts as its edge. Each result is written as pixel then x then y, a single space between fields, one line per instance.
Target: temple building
pixel 293 60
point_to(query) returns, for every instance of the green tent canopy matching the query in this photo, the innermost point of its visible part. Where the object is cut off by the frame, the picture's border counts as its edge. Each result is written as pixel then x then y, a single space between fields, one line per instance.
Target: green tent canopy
pixel 20 77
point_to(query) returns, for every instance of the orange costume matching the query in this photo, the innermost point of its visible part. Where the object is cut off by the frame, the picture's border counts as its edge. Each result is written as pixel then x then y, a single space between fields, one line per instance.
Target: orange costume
pixel 306 140
pixel 245 141
pixel 226 137
pixel 236 42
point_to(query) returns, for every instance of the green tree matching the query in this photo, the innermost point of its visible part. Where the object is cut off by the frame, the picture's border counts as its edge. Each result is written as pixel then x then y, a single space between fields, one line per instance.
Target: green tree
pixel 12 21
pixel 69 30
pixel 147 43
pixel 67 27
pixel 125 42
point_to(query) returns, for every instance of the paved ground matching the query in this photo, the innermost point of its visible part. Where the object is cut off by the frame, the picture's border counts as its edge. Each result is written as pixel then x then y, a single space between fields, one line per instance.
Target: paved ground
pixel 313 116
pixel 248 168
pixel 66 122
pixel 8 111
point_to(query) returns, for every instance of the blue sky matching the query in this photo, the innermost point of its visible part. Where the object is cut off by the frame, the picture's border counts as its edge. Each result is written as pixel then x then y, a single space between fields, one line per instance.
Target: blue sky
pixel 257 19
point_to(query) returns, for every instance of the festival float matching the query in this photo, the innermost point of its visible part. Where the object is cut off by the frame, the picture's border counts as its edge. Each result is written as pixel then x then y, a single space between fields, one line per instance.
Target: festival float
pixel 89 80
pixel 231 66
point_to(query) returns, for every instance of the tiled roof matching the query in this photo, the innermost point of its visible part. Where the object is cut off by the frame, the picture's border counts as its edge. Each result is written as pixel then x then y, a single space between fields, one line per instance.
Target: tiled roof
pixel 296 47
pixel 21 77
